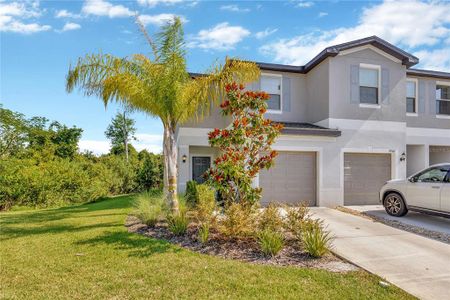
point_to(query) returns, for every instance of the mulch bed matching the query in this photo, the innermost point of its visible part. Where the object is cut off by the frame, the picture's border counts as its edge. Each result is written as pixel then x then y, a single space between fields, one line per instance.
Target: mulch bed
pixel 242 250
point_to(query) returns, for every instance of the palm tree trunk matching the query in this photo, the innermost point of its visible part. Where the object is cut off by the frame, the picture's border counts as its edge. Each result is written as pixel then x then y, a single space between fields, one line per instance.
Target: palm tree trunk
pixel 166 167
pixel 171 154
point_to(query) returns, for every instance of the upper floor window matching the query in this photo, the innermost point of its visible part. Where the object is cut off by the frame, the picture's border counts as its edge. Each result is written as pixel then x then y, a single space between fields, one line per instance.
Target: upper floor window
pixel 369 84
pixel 411 96
pixel 271 84
pixel 442 99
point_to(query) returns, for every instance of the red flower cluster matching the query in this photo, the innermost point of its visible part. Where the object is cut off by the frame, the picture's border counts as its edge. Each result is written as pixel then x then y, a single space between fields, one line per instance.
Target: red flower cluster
pixel 214 134
pixel 224 104
pixel 262 95
pixel 262 110
pixel 233 87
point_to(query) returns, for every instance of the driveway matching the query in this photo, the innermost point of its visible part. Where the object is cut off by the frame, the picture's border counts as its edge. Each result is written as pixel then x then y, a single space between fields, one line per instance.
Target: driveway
pixel 418 265
pixel 432 223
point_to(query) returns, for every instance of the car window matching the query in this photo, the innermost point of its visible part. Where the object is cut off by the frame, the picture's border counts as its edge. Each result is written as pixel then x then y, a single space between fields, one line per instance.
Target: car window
pixel 433 175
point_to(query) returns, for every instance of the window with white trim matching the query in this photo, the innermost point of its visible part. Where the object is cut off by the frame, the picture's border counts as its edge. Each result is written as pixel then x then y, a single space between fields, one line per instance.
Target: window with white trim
pixel 442 99
pixel 369 84
pixel 411 96
pixel 271 84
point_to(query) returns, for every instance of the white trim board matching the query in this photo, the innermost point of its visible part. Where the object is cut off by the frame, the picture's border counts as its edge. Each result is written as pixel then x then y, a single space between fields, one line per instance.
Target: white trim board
pixel 371 125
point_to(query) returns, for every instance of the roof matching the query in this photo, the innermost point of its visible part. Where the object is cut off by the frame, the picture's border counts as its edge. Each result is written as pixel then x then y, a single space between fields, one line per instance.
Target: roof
pixel 428 73
pixel 293 128
pixel 406 58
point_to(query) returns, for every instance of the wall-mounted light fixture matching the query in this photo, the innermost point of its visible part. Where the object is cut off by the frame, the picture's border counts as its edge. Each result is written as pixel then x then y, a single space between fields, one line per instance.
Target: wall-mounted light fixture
pixel 184 158
pixel 403 157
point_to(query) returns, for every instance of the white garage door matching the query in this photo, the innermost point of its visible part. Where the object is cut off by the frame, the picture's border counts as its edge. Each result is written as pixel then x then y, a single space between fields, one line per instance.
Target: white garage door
pixel 364 175
pixel 439 154
pixel 291 180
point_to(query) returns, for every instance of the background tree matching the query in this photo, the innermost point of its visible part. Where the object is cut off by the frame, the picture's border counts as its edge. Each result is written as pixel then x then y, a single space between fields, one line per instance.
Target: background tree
pixel 160 86
pixel 245 146
pixel 13 132
pixel 121 132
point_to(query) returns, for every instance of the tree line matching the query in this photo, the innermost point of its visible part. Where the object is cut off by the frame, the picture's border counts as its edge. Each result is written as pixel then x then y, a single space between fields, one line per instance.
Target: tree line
pixel 41 166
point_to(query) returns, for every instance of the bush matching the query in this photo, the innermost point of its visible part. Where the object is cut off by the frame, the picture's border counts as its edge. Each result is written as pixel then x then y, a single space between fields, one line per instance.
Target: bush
pixel 270 219
pixel 271 242
pixel 178 223
pixel 238 221
pixel 295 219
pixel 203 233
pixel 316 240
pixel 206 204
pixel 150 207
pixel 191 195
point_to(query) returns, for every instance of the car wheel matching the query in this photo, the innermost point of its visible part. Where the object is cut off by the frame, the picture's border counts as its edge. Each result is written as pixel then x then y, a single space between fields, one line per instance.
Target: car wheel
pixel 395 205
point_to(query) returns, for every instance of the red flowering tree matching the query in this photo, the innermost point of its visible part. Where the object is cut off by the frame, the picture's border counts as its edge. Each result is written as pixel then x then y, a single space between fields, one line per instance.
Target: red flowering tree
pixel 245 145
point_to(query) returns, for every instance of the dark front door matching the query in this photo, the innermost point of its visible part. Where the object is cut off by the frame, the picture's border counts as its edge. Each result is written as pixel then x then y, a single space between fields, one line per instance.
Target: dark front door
pixel 199 166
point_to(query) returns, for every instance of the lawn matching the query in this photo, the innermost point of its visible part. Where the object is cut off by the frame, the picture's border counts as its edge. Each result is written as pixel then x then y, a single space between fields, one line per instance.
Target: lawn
pixel 84 251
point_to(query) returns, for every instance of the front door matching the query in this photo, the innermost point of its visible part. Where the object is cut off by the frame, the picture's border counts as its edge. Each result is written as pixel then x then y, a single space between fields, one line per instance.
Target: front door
pixel 424 189
pixel 200 164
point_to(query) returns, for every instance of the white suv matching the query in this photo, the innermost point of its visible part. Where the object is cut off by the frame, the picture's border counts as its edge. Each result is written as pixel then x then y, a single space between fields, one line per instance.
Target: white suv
pixel 426 191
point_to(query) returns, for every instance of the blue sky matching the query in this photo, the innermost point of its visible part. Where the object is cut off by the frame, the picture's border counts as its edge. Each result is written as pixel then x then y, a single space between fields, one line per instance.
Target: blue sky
pixel 39 40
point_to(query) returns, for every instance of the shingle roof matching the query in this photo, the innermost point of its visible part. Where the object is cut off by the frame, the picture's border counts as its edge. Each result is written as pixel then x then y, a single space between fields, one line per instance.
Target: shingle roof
pixel 428 73
pixel 294 128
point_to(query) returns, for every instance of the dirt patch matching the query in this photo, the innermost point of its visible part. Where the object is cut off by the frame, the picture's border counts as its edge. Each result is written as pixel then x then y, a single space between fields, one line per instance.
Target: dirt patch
pixel 435 235
pixel 242 250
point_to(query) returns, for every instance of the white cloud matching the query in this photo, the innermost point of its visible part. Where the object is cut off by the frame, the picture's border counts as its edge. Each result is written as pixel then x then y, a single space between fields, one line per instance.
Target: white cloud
pixel 63 13
pixel 160 19
pixel 104 8
pixel 265 33
pixel 98 147
pixel 421 24
pixel 71 26
pixel 152 3
pixel 437 59
pixel 234 8
pixel 150 142
pixel 220 37
pixel 304 4
pixel 322 14
pixel 14 17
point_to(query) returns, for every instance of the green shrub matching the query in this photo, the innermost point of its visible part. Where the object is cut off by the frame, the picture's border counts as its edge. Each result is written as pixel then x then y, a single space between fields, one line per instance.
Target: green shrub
pixel 271 242
pixel 316 240
pixel 149 207
pixel 203 233
pixel 206 204
pixel 270 219
pixel 238 221
pixel 295 219
pixel 178 223
pixel 191 195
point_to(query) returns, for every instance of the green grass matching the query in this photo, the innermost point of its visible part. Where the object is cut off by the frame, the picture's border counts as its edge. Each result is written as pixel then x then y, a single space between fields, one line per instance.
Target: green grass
pixel 40 259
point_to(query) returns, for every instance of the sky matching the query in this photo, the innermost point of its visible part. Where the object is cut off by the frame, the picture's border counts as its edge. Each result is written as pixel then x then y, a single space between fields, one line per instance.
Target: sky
pixel 39 40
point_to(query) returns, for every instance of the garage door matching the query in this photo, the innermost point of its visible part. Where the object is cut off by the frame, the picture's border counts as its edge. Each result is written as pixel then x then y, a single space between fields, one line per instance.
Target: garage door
pixel 364 175
pixel 439 154
pixel 291 180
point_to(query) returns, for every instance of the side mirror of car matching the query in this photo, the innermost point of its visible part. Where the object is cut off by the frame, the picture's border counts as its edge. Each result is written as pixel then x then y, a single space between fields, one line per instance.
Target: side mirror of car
pixel 413 179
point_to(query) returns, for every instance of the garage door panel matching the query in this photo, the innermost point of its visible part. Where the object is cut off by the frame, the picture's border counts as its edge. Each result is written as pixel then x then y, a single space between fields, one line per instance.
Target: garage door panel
pixel 364 175
pixel 291 180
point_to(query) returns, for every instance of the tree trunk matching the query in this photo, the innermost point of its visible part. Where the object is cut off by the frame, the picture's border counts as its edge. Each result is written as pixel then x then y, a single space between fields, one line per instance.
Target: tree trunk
pixel 125 135
pixel 171 154
pixel 165 168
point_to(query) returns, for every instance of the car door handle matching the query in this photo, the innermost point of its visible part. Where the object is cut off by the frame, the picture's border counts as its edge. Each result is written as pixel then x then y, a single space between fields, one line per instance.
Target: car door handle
pixel 435 187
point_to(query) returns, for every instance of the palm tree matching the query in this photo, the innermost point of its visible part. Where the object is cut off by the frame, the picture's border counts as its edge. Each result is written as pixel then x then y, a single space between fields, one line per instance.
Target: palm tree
pixel 160 86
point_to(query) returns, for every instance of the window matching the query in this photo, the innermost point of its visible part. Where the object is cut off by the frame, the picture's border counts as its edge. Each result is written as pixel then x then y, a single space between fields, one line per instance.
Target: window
pixel 271 84
pixel 432 175
pixel 369 80
pixel 442 99
pixel 200 164
pixel 411 96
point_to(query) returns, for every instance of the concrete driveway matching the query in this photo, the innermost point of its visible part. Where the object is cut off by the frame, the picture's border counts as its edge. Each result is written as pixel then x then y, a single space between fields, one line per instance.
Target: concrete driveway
pixel 418 265
pixel 428 222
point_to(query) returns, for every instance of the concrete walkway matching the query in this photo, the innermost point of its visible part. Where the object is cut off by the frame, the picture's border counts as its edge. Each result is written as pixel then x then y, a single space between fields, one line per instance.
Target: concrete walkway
pixel 416 264
pixel 425 221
